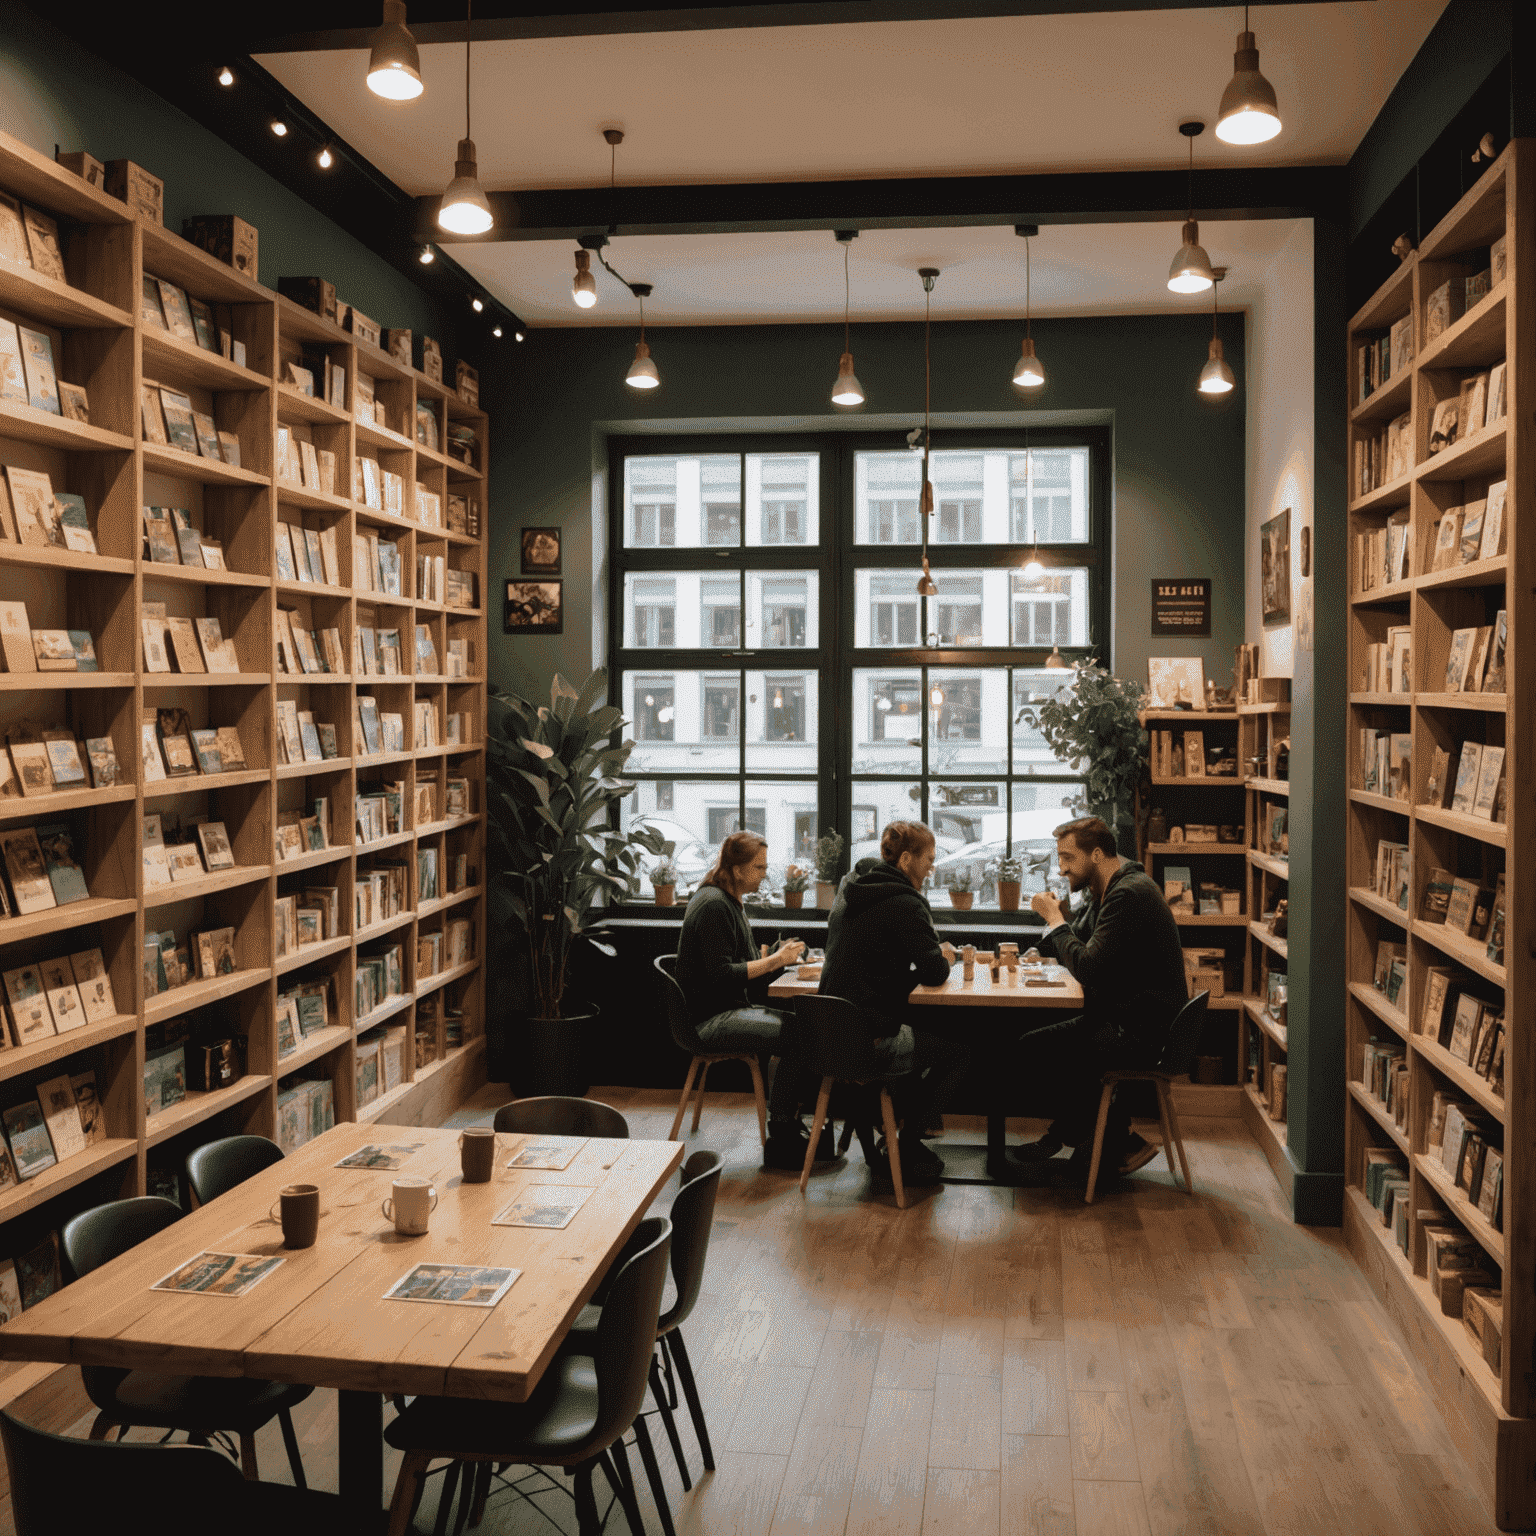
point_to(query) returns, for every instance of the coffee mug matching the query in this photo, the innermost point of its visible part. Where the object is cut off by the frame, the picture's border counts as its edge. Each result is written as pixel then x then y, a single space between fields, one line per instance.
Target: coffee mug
pixel 477 1154
pixel 411 1203
pixel 300 1214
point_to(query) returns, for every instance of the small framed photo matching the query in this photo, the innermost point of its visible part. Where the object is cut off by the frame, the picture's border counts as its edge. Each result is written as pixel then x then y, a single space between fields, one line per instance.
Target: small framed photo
pixel 541 551
pixel 74 402
pixel 534 608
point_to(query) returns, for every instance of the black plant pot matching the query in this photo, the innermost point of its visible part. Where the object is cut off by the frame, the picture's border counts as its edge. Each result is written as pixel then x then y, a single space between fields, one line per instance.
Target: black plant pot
pixel 554 1056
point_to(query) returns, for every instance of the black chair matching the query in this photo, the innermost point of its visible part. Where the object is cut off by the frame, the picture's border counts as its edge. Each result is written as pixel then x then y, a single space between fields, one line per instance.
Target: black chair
pixel 61 1486
pixel 555 1115
pixel 837 1045
pixel 576 1418
pixel 1177 1055
pixel 199 1405
pixel 221 1165
pixel 686 1037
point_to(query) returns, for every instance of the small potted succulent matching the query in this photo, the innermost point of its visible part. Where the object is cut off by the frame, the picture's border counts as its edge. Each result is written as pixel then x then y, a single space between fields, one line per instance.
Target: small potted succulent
pixel 961 894
pixel 664 881
pixel 829 853
pixel 795 882
pixel 1009 874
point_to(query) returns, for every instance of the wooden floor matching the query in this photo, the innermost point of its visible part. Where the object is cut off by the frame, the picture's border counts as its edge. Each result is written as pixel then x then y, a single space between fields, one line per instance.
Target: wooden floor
pixel 1012 1363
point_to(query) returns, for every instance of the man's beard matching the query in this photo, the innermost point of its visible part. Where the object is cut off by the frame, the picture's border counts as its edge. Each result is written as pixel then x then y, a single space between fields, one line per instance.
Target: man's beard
pixel 1076 882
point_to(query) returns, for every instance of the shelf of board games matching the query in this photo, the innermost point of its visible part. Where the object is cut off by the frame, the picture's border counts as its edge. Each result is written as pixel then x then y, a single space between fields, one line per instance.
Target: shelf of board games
pixel 254 476
pixel 1440 1157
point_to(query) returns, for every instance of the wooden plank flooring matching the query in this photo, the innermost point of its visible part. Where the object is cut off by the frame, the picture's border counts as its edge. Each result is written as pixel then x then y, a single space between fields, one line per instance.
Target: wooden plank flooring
pixel 1014 1363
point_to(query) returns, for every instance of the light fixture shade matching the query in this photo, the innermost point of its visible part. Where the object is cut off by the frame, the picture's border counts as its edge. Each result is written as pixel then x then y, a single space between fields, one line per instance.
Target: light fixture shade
pixel 926 585
pixel 584 285
pixel 847 390
pixel 1216 378
pixel 394 68
pixel 1056 662
pixel 642 372
pixel 1249 112
pixel 1033 570
pixel 1191 269
pixel 1029 371
pixel 465 210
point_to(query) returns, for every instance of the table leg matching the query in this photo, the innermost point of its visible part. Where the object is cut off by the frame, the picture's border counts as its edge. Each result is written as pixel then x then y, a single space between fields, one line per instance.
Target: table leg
pixel 360 1456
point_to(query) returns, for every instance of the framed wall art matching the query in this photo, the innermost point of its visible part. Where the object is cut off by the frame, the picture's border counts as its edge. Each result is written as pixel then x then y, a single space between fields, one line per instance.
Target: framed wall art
pixel 534 608
pixel 541 551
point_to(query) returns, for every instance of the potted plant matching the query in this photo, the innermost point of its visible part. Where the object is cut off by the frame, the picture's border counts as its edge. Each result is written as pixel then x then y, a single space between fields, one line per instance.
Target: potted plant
pixel 553 783
pixel 1091 724
pixel 829 854
pixel 795 882
pixel 1009 874
pixel 664 879
pixel 961 894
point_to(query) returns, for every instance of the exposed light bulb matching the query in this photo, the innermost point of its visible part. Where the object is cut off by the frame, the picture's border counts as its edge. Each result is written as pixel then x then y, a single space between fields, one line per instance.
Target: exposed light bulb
pixel 642 372
pixel 1033 570
pixel 1249 112
pixel 280 128
pixel 1191 269
pixel 517 335
pixel 584 285
pixel 847 390
pixel 936 697
pixel 394 68
pixel 325 158
pixel 477 305
pixel 465 210
pixel 1028 372
pixel 428 256
pixel 778 698
pixel 1217 378
pixel 496 331
pixel 226 76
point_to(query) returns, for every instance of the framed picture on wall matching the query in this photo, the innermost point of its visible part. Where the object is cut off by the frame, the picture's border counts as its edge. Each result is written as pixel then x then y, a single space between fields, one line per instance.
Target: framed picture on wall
pixel 1275 567
pixel 534 608
pixel 541 551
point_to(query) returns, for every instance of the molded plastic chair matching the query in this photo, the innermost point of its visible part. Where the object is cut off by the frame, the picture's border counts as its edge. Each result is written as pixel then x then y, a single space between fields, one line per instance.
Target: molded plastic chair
pixel 61 1486
pixel 1178 1054
pixel 686 1036
pixel 577 1416
pixel 221 1165
pixel 554 1115
pixel 200 1405
pixel 837 1043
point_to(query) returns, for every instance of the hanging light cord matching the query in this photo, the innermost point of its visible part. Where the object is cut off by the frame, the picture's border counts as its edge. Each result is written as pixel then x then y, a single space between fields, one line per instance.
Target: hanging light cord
pixel 469 12
pixel 1191 176
pixel 847 298
pixel 641 298
pixel 1215 286
pixel 1027 305
pixel 613 229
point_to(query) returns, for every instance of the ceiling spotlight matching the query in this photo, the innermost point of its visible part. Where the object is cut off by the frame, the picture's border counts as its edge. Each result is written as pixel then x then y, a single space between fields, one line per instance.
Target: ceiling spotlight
pixel 394 69
pixel 1249 111
pixel 226 76
pixel 1191 269
pixel 584 285
pixel 847 390
pixel 477 305
pixel 428 256
pixel 280 128
pixel 642 372
pixel 1028 372
pixel 325 158
pixel 1216 378
pixel 496 330
pixel 465 210
pixel 517 335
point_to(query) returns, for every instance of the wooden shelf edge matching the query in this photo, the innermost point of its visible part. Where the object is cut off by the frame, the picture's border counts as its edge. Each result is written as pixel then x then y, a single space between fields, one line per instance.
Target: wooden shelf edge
pixel 199 1106
pixel 65 1175
pixel 1378 1112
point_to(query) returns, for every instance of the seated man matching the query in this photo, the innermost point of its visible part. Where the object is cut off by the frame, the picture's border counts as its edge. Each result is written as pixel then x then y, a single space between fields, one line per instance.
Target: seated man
pixel 1124 949
pixel 716 959
pixel 881 944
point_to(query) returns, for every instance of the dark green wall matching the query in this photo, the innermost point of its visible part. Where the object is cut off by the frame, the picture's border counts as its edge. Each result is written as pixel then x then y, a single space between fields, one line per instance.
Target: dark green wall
pixel 1179 463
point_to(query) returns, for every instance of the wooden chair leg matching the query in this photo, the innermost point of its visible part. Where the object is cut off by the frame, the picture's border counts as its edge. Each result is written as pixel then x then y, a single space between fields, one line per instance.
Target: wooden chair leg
pixel 682 1109
pixel 402 1506
pixel 1098 1141
pixel 248 1457
pixel 698 1094
pixel 821 1114
pixel 755 1068
pixel 893 1147
pixel 1178 1141
pixel 291 1445
pixel 1162 1116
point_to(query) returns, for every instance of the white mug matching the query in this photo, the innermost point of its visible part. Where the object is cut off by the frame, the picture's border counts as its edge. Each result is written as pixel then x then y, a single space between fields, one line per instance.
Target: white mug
pixel 412 1202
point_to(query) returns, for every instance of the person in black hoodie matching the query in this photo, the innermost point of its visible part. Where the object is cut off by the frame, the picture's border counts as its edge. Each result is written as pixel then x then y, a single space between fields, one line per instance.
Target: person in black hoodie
pixel 881 944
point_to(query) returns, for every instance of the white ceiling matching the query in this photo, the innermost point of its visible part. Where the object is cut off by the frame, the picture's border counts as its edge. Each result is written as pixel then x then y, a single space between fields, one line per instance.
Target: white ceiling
pixel 889 99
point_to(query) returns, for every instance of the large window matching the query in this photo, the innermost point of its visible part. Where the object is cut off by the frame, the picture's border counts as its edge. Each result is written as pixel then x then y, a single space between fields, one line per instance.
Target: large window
pixel 782 672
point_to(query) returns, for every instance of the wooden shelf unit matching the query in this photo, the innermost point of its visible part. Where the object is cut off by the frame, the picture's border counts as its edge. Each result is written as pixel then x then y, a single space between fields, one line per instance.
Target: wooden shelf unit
pixel 101 341
pixel 1491 1413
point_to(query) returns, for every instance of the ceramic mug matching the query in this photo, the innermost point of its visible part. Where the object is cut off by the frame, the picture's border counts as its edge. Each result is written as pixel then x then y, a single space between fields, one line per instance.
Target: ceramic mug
pixel 411 1203
pixel 299 1205
pixel 477 1154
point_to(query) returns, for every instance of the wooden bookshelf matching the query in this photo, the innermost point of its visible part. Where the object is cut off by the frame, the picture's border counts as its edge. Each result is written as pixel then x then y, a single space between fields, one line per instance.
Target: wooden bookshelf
pixel 1491 1413
pixel 102 342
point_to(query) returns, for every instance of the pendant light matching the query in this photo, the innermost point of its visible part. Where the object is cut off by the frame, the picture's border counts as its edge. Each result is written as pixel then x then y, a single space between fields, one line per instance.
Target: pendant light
pixel 1191 269
pixel 1056 662
pixel 1249 112
pixel 1216 378
pixel 926 585
pixel 847 390
pixel 642 372
pixel 1028 372
pixel 584 285
pixel 465 210
pixel 394 68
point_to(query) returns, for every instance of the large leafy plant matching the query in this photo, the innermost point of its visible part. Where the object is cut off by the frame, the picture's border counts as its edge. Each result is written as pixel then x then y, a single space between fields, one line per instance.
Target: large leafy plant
pixel 554 779
pixel 1091 723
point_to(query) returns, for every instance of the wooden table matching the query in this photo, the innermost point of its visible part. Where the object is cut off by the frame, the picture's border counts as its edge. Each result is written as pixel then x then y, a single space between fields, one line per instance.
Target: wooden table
pixel 320 1317
pixel 1053 987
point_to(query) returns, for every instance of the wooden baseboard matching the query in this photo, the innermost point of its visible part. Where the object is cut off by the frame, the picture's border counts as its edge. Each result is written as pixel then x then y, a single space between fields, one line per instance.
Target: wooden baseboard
pixel 1210 1101
pixel 1270 1136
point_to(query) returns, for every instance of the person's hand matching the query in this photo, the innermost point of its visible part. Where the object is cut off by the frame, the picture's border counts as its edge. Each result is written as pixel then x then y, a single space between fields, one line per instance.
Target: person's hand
pixel 948 951
pixel 788 952
pixel 1045 905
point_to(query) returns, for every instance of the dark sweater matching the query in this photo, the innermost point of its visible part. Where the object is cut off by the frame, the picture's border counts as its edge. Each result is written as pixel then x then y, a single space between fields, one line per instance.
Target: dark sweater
pixel 713 952
pixel 1126 953
pixel 880 944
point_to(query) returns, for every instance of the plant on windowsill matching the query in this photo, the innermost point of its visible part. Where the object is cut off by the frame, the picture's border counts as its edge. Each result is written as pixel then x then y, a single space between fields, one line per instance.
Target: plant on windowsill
pixel 795 882
pixel 1009 874
pixel 664 878
pixel 829 854
pixel 961 892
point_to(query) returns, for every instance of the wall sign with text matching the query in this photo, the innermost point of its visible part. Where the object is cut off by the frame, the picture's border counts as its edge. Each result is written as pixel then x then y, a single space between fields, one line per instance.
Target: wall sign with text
pixel 1181 606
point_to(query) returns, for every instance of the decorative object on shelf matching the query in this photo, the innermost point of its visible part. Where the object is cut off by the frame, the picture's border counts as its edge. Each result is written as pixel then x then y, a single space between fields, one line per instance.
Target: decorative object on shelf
pixel 1157 825
pixel 227 238
pixel 796 880
pixel 663 875
pixel 1175 682
pixel 829 854
pixel 143 192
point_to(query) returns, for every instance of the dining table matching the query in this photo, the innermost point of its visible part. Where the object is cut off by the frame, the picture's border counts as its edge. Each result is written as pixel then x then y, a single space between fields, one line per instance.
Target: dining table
pixel 321 1316
pixel 1033 987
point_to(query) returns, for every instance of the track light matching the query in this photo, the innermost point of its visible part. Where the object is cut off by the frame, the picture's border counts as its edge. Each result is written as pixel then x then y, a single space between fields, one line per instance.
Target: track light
pixel 584 285
pixel 477 305
pixel 428 256
pixel 496 331
pixel 280 128
pixel 1249 112
pixel 325 159
pixel 1191 269
pixel 847 390
pixel 517 335
pixel 394 68
pixel 226 76
pixel 465 209
pixel 642 372
pixel 1216 378
pixel 1028 372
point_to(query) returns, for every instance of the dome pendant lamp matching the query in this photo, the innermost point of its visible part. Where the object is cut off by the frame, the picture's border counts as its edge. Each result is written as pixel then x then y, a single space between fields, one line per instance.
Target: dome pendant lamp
pixel 394 67
pixel 927 586
pixel 1191 269
pixel 1028 372
pixel 465 210
pixel 847 390
pixel 1249 112
pixel 1216 378
pixel 642 372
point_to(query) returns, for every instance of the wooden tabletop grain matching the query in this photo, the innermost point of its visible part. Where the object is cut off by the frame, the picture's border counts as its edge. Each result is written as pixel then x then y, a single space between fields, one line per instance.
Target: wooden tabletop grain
pixel 321 1318
pixel 1052 988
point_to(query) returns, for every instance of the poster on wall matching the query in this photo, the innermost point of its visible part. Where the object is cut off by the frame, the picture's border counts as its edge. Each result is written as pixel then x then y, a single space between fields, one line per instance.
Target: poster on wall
pixel 1181 606
pixel 1304 614
pixel 534 608
pixel 541 551
pixel 1275 567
